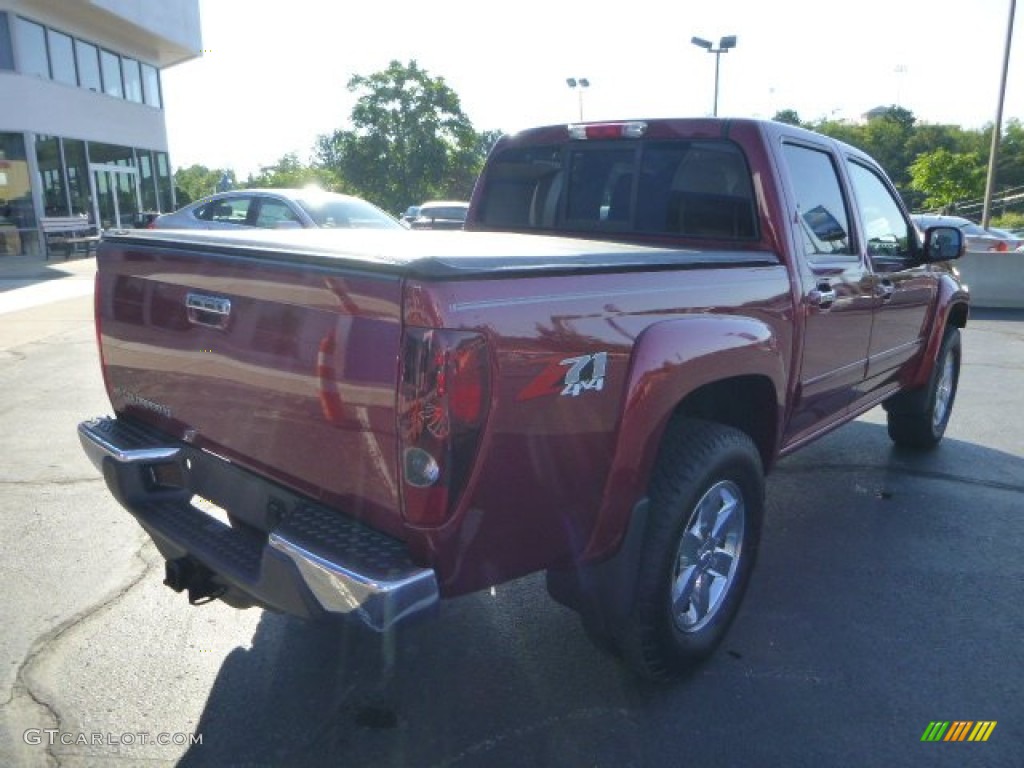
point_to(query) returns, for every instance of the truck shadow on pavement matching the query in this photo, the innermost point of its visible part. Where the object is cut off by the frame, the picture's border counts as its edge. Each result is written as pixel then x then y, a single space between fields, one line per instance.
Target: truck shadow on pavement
pixel 857 547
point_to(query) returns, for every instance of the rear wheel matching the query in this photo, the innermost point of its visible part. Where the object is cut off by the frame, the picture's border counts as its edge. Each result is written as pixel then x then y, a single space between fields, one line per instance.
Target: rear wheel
pixel 918 420
pixel 707 499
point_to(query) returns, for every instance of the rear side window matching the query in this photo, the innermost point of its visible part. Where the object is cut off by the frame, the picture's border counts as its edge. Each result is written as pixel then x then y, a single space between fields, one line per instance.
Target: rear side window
pixel 677 188
pixel 232 211
pixel 822 217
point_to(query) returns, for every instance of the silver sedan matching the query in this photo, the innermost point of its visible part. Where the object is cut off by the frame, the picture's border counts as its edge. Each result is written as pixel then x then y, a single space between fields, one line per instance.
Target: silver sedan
pixel 277 209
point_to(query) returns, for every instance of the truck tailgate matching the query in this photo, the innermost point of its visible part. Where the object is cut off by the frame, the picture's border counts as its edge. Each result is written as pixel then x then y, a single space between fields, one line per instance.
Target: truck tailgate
pixel 288 371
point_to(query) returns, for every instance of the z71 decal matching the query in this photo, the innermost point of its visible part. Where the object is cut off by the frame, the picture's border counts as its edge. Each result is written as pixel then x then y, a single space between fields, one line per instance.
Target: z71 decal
pixel 570 377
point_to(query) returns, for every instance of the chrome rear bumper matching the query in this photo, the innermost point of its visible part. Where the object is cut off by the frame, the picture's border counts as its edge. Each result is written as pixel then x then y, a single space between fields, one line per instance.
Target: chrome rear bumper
pixel 288 553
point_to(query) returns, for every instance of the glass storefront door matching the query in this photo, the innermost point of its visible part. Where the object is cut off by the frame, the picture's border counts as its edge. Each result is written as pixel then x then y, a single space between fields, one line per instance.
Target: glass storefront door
pixel 116 198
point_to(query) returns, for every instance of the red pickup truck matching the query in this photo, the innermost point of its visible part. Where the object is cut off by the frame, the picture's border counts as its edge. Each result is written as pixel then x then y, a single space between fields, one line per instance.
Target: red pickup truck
pixel 592 381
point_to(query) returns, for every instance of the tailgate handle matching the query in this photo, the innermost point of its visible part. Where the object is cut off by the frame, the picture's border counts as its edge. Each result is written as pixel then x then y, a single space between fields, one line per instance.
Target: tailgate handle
pixel 210 311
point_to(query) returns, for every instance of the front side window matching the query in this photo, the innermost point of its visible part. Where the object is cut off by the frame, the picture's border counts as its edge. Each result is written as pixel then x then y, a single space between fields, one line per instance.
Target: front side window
pixel 32 59
pixel 822 217
pixel 275 214
pixel 886 232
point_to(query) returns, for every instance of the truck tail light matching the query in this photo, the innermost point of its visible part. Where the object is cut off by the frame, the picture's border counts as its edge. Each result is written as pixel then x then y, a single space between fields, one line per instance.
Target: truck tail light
pixel 443 400
pixel 630 130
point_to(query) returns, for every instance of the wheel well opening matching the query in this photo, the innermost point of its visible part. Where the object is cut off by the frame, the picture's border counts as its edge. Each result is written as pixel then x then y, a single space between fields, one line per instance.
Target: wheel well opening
pixel 747 403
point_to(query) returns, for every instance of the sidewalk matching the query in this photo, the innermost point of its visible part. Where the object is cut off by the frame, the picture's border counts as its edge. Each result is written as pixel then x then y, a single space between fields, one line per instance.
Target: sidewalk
pixel 27 282
pixel 36 268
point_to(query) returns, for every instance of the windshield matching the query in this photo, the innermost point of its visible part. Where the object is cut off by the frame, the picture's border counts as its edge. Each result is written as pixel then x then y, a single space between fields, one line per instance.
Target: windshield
pixel 339 211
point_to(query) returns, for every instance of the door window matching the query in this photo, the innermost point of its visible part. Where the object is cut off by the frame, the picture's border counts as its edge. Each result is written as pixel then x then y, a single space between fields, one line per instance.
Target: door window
pixel 226 211
pixel 886 232
pixel 822 217
pixel 274 214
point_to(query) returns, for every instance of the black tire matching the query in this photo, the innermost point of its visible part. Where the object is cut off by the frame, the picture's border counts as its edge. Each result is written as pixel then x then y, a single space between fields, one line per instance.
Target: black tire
pixel 703 469
pixel 918 420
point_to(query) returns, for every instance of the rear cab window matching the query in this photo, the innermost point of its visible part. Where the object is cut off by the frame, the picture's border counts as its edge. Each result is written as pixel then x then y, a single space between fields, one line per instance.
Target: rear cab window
pixel 659 187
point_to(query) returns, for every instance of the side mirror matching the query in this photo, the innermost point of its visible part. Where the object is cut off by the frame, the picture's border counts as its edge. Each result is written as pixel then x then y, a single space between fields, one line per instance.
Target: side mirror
pixel 943 244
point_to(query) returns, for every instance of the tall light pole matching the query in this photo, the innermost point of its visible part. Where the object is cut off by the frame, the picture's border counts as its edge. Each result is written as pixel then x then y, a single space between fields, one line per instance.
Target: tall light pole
pixel 724 45
pixel 579 84
pixel 997 129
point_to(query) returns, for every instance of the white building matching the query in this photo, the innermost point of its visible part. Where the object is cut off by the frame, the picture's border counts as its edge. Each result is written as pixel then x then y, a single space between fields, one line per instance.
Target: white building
pixel 82 129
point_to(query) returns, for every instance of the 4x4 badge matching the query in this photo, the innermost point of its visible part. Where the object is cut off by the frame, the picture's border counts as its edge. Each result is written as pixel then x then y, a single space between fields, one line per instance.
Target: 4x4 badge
pixel 585 373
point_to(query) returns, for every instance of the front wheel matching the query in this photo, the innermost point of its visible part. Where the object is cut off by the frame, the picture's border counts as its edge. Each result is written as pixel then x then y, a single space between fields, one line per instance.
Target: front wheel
pixel 707 499
pixel 918 420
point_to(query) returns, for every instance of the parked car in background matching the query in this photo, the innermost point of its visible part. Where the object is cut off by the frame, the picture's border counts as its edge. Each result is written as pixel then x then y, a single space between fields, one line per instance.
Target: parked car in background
pixel 278 209
pixel 977 237
pixel 441 214
pixel 1014 241
pixel 409 215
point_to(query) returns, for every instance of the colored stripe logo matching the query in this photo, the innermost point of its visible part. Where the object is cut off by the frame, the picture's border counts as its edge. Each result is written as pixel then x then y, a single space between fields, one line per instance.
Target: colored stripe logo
pixel 959 730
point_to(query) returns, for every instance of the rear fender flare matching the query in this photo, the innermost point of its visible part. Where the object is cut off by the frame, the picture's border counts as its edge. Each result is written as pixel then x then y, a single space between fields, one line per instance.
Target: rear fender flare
pixel 671 360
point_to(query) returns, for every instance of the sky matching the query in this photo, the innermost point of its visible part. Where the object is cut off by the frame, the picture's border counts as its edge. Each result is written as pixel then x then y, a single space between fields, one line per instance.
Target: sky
pixel 273 74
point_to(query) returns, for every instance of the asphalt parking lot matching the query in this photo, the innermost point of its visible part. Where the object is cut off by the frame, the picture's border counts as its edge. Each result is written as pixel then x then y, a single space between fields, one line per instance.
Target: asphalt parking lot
pixel 889 595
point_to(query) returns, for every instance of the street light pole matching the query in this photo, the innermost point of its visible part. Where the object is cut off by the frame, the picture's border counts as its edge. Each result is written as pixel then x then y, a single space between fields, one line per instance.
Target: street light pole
pixel 997 129
pixel 579 83
pixel 724 45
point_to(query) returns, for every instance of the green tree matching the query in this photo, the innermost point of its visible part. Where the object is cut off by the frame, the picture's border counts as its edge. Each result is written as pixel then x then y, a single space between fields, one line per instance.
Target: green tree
pixel 1010 161
pixel 788 116
pixel 946 177
pixel 290 172
pixel 410 140
pixel 198 181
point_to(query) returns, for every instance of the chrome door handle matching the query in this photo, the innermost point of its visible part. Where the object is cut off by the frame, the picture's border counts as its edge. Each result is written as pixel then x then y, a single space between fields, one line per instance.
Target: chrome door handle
pixel 211 311
pixel 823 296
pixel 885 290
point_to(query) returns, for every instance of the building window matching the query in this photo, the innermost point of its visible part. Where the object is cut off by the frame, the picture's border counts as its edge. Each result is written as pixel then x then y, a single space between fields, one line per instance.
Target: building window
pixel 147 181
pixel 62 57
pixel 51 171
pixel 32 48
pixel 88 58
pixel 77 165
pixel 132 79
pixel 17 216
pixel 47 53
pixel 151 83
pixel 6 49
pixel 164 184
pixel 111 154
pixel 110 66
